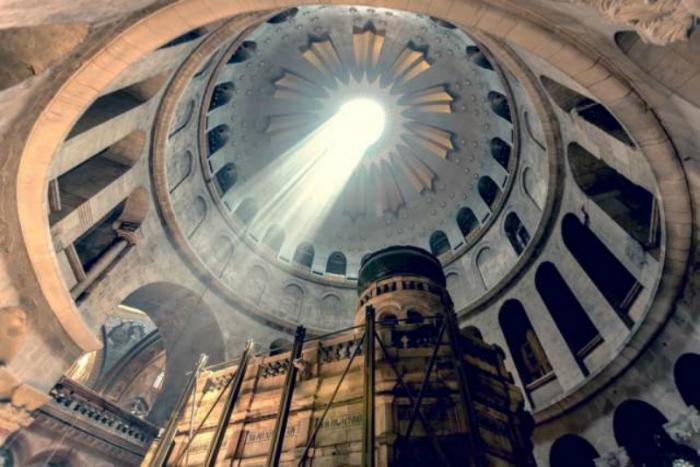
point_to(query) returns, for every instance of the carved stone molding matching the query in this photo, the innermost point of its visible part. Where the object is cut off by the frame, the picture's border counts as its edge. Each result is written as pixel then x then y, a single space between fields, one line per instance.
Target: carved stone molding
pixel 617 458
pixel 16 412
pixel 657 22
pixel 685 428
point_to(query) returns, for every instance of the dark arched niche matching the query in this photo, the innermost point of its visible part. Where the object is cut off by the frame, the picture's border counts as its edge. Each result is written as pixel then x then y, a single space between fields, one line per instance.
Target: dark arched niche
pixel 686 373
pixel 572 451
pixel 188 327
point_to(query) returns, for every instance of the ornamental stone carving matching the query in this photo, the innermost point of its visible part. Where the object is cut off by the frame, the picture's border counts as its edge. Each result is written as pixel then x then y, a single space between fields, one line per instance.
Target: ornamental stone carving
pixel 658 22
pixel 618 458
pixel 685 428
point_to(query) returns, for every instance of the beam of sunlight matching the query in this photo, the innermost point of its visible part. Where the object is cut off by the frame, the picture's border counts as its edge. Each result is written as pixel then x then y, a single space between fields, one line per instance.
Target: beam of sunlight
pixel 297 191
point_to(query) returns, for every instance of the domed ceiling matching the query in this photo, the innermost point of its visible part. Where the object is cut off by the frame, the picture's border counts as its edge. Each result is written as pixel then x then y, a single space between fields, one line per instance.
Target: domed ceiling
pixel 442 163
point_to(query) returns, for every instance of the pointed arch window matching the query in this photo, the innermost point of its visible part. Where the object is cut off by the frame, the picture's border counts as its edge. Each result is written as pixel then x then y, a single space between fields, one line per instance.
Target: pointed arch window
pixel 274 238
pixel 488 190
pixel 499 105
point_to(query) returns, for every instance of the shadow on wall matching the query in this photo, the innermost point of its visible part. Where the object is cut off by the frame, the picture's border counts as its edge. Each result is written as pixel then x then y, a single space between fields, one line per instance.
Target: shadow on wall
pixel 188 327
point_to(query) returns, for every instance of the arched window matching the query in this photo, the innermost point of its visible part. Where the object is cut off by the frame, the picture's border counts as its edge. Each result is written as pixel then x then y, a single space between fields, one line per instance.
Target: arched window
pixel 226 177
pixel 388 319
pixel 639 428
pixel 571 319
pixel 516 232
pixel 244 52
pixel 686 373
pixel 466 221
pixel 572 451
pixel 246 211
pixel 292 301
pixel 279 346
pixel 499 105
pixel 413 317
pixel 473 332
pixel 304 255
pixel 186 37
pixel 217 137
pixel 610 276
pixel 222 94
pixel 274 237
pixel 632 207
pixel 488 190
pixel 337 264
pixel 500 150
pixel 283 16
pixel 439 243
pixel 588 109
pixel 525 347
pixel 477 57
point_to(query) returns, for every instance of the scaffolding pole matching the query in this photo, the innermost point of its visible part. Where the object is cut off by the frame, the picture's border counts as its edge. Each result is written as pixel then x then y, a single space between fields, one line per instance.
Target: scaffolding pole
pixel 369 410
pixel 283 414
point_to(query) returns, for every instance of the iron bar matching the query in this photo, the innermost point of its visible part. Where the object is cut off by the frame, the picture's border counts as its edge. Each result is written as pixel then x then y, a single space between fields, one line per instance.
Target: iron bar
pixel 283 414
pixel 164 448
pixel 369 380
pixel 230 403
pixel 426 425
pixel 426 379
pixel 457 353
pixel 312 438
pixel 204 420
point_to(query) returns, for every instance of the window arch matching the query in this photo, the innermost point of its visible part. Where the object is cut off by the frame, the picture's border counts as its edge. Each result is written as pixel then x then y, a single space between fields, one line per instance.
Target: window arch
pixel 516 232
pixel 572 451
pixel 639 428
pixel 499 105
pixel 244 52
pixel 577 329
pixel 632 207
pixel 525 348
pixel 226 177
pixel 222 95
pixel 217 138
pixel 593 112
pixel 478 58
pixel 413 317
pixel 304 255
pixel 685 375
pixel 488 190
pixel 247 210
pixel 439 243
pixel 337 264
pixel 467 221
pixel 611 277
pixel 500 150
pixel 279 346
pixel 283 16
pixel 273 239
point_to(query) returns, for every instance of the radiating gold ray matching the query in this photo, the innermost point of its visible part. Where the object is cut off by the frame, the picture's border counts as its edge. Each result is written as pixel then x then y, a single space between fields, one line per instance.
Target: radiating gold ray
pixel 291 86
pixel 367 47
pixel 434 99
pixel 415 170
pixel 409 64
pixel 323 56
pixel 434 140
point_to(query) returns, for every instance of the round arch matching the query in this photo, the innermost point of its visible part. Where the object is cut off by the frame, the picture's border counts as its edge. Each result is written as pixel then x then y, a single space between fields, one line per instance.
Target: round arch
pixel 187 326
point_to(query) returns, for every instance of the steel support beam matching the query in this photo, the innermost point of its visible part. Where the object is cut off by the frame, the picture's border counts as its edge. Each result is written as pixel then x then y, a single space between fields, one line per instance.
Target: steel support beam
pixel 275 453
pixel 369 380
pixel 467 400
pixel 160 457
pixel 229 404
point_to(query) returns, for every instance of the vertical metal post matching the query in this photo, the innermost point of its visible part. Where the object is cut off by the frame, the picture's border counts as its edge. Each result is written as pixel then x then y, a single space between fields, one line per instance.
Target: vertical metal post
pixel 454 336
pixel 273 458
pixel 165 445
pixel 369 412
pixel 229 404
